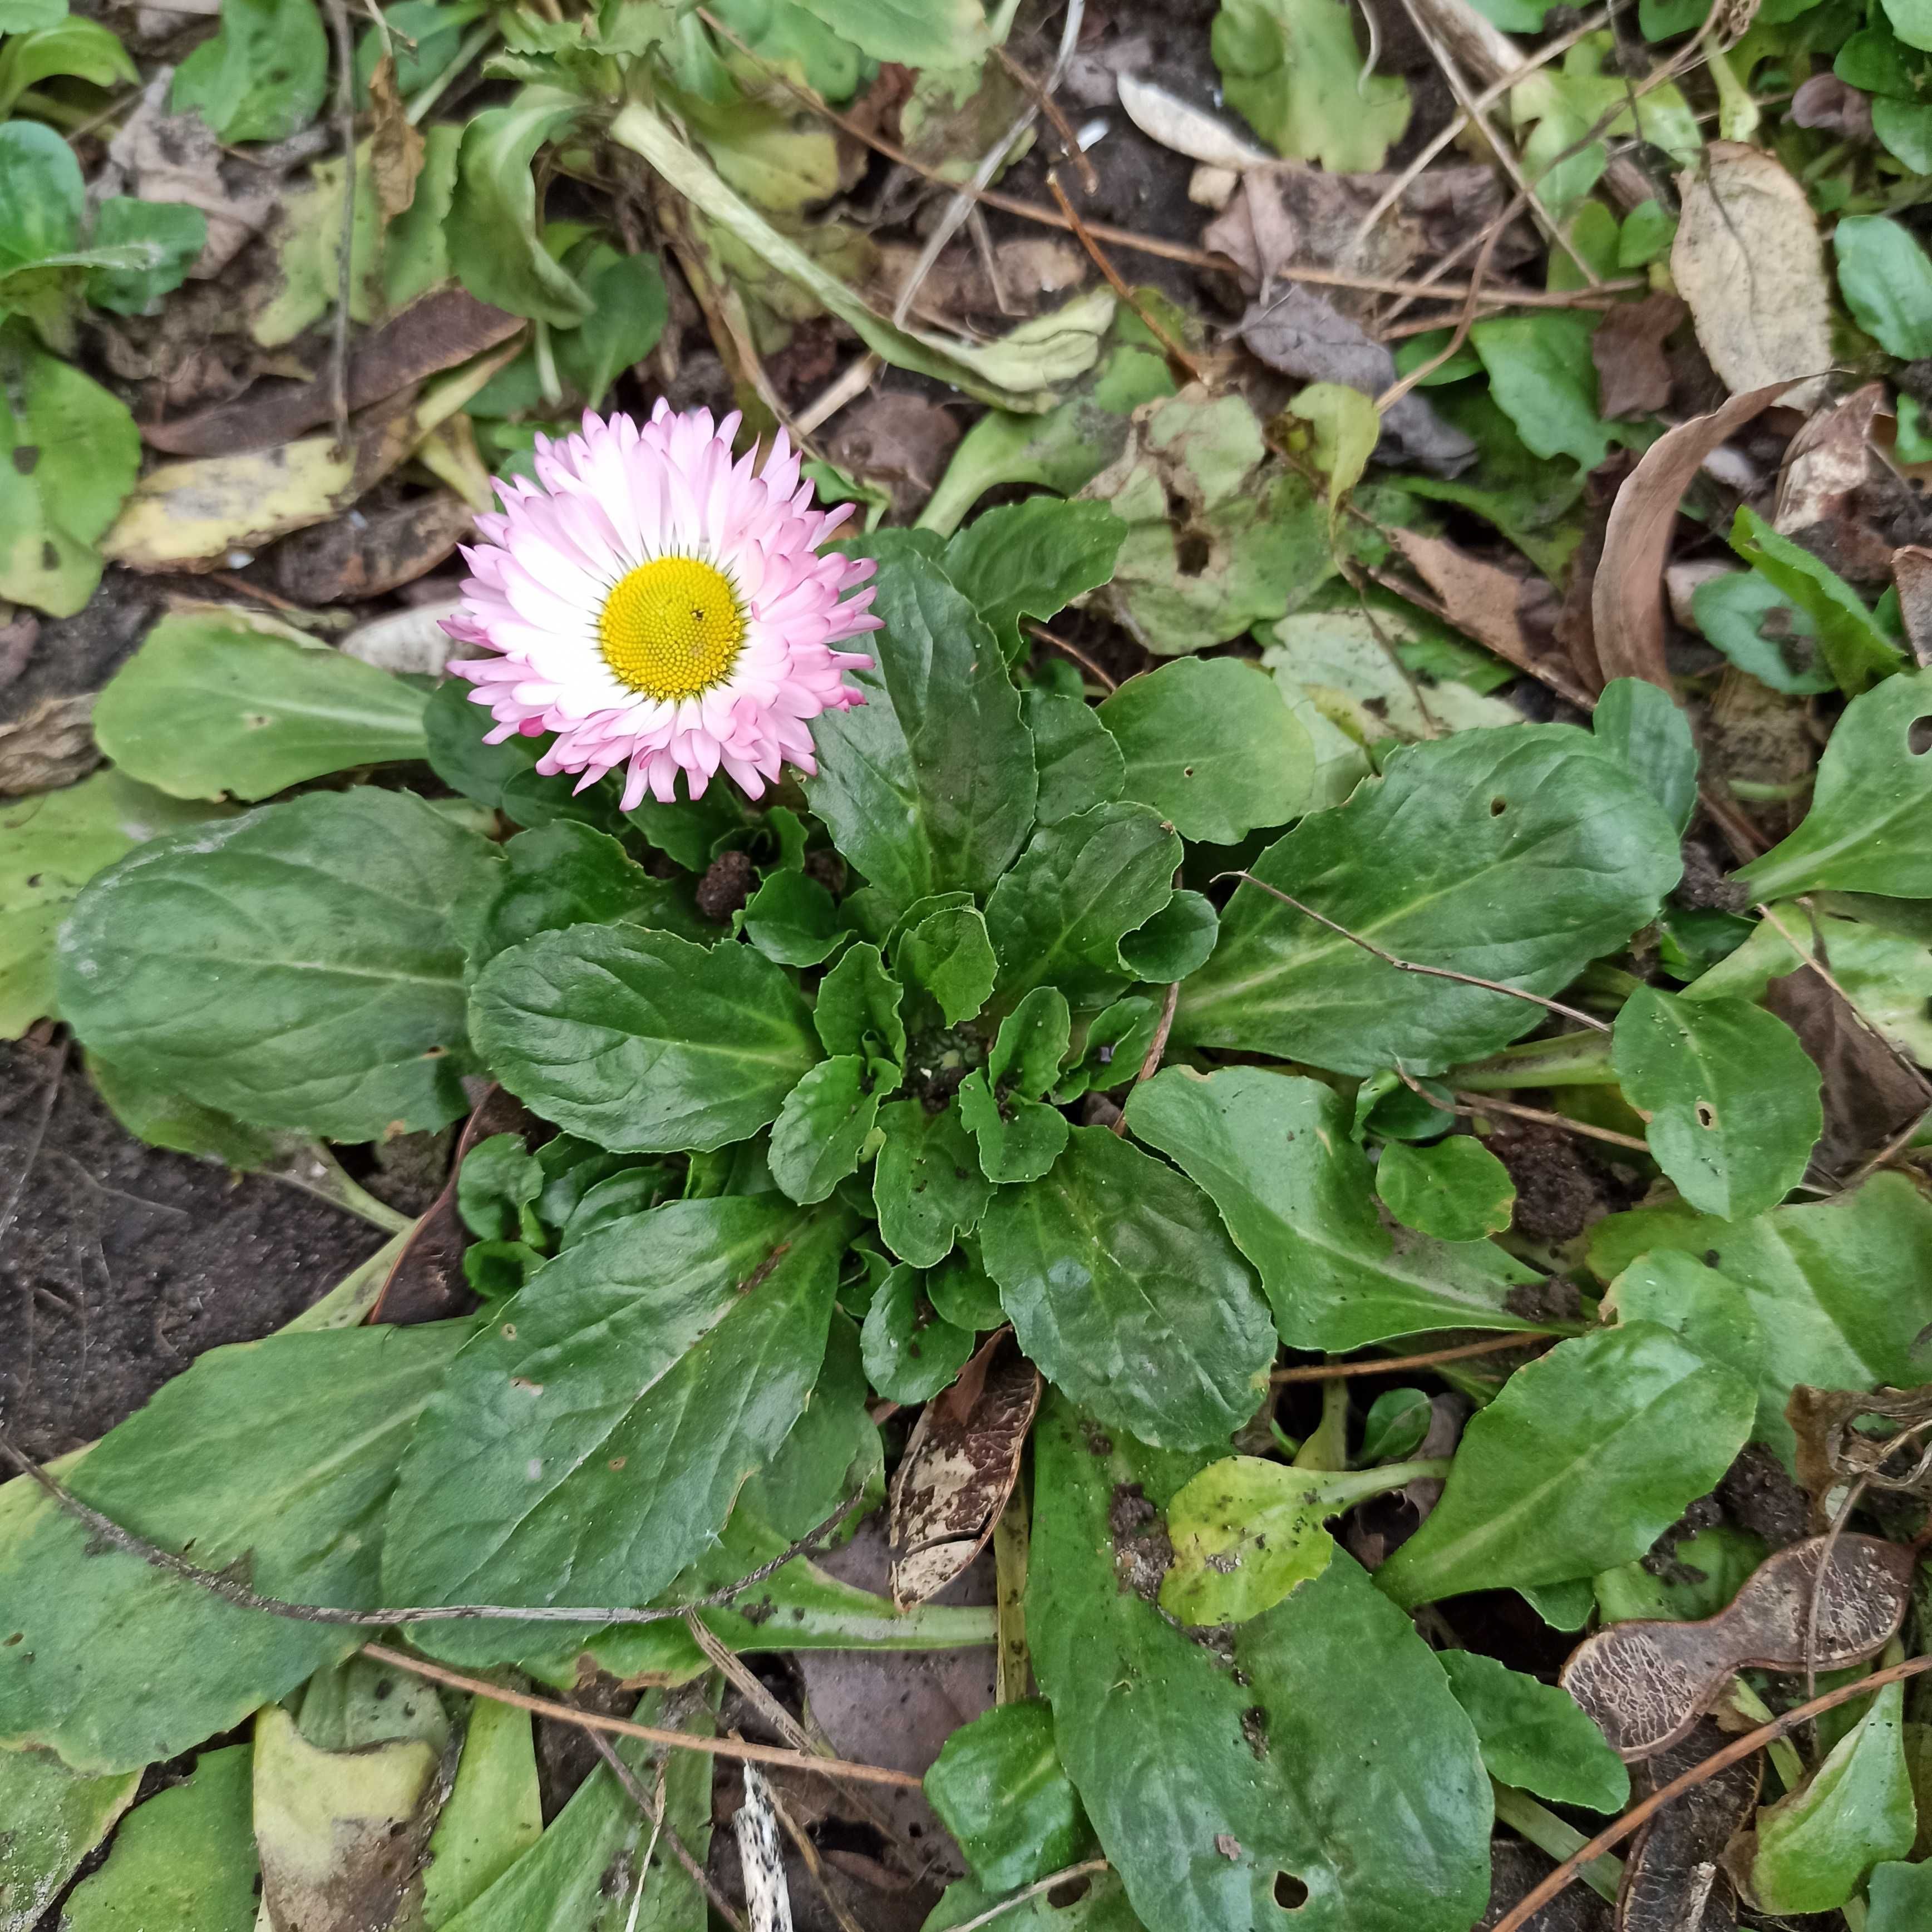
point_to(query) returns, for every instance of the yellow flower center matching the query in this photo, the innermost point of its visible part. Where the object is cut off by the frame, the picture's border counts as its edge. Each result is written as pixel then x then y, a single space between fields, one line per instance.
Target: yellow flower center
pixel 671 629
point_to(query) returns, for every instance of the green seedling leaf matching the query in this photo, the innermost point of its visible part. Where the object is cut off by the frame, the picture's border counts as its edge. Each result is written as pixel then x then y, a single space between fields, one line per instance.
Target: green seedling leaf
pixel 1020 1138
pixel 262 77
pixel 294 967
pixel 927 1186
pixel 494 231
pixel 1122 1285
pixel 1850 641
pixel 1886 281
pixel 187 1857
pixel 623 1440
pixel 1517 855
pixel 55 1817
pixel 565 874
pixel 1292 69
pixel 1017 371
pixel 1761 632
pixel 493 1814
pixel 918 33
pixel 280 1455
pixel 793 920
pixel 1116 1044
pixel 498 1180
pixel 1079 764
pixel 857 1009
pixel 1032 559
pixel 1869 826
pixel 1454 1189
pixel 910 1352
pixel 1177 941
pixel 641 1042
pixel 1544 379
pixel 1730 1097
pixel 214 704
pixel 1081 887
pixel 1347 427
pixel 1587 1456
pixel 52 844
pixel 1642 726
pixel 1534 1737
pixel 928 786
pixel 821 1131
pixel 999 1788
pixel 1245 1533
pixel 1838 1287
pixel 942 949
pixel 69 455
pixel 1275 1153
pixel 1219 535
pixel 1206 1782
pixel 963 1292
pixel 1856 1811
pixel 1209 746
pixel 1397 1421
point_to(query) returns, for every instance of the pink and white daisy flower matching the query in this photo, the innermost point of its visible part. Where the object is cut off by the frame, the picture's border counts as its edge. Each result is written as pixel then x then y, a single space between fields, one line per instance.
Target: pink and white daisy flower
pixel 657 605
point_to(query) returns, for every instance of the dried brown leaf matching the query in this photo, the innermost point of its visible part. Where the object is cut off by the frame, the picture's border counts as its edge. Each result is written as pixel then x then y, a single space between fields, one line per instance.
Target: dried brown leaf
pixel 1645 1684
pixel 1627 607
pixel 1833 106
pixel 1824 470
pixel 396 149
pixel 900 440
pixel 358 556
pixel 1674 1878
pixel 1748 260
pixel 51 746
pixel 432 333
pixel 959 1469
pixel 1487 602
pixel 1912 574
pixel 1633 374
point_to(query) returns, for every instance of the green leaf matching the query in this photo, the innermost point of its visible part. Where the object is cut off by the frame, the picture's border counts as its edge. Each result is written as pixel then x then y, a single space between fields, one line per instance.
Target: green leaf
pixel 926 1185
pixel 211 704
pixel 69 455
pixel 55 1817
pixel 1517 855
pixel 42 196
pixel 185 1858
pixel 910 1352
pixel 493 1814
pixel 1079 888
pixel 565 874
pixel 1585 1458
pixel 629 309
pixel 1533 1735
pixel 1645 728
pixel 588 1444
pixel 917 33
pixel 1544 379
pixel 83 49
pixel 642 1042
pixel 1849 639
pixel 1839 1288
pixel 498 1180
pixel 1275 1153
pixel 928 786
pixel 1032 559
pixel 23 16
pixel 1454 1189
pixel 1712 1311
pixel 999 1788
pixel 821 1131
pixel 494 229
pixel 793 919
pixel 1019 1138
pixel 1899 1898
pixel 1292 69
pixel 53 843
pixel 277 1456
pixel 1856 1810
pixel 1121 1283
pixel 262 77
pixel 1347 426
pixel 1730 1097
pixel 1079 763
pixel 1178 940
pixel 1761 632
pixel 946 951
pixel 1869 826
pixel 1210 746
pixel 1886 281
pixel 1246 1533
pixel 294 967
pixel 165 236
pixel 1331 1750
pixel 1397 1421
pixel 857 1009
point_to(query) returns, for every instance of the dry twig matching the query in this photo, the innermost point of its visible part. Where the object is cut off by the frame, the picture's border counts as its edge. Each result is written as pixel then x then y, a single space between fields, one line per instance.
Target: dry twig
pixel 1329 1372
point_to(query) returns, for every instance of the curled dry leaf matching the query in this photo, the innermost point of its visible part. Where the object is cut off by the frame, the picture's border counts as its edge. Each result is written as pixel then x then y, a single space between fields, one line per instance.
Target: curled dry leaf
pixel 1487 602
pixel 431 334
pixel 1832 1452
pixel 1674 1880
pixel 1633 375
pixel 1748 260
pixel 1627 605
pixel 1646 1683
pixel 1912 575
pixel 48 748
pixel 411 641
pixel 1188 130
pixel 359 556
pixel 1834 107
pixel 959 1468
pixel 1824 469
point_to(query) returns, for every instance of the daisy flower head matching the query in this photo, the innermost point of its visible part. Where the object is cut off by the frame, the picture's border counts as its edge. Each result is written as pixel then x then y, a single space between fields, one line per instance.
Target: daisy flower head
pixel 659 606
